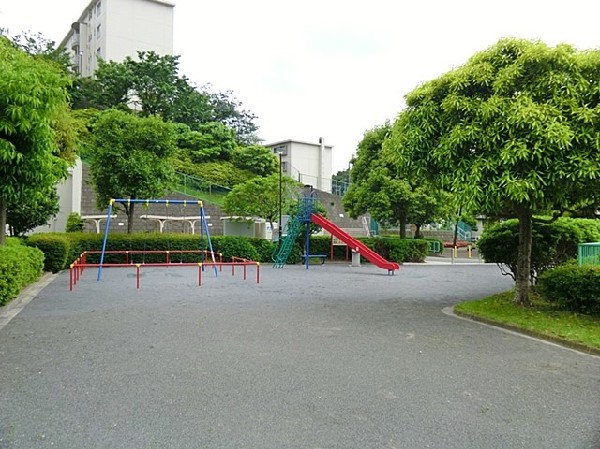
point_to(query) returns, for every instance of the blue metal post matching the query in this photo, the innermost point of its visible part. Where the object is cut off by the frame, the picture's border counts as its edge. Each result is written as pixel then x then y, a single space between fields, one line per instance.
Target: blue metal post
pixel 205 224
pixel 106 228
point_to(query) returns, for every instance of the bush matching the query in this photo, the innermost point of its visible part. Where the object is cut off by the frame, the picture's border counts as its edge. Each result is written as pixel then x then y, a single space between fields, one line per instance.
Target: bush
pixel 398 250
pixel 264 249
pixel 553 243
pixel 55 248
pixel 74 222
pixel 20 265
pixel 235 246
pixel 571 287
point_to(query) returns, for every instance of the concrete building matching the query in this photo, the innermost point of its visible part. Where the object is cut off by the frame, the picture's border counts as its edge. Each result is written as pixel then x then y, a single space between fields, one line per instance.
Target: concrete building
pixel 114 29
pixel 309 163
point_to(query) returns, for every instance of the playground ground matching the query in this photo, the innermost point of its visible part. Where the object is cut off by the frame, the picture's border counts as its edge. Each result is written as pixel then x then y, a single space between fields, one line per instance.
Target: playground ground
pixel 330 357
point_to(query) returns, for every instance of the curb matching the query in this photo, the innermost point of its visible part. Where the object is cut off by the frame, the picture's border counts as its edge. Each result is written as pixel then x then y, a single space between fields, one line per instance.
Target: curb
pixel 587 350
pixel 14 307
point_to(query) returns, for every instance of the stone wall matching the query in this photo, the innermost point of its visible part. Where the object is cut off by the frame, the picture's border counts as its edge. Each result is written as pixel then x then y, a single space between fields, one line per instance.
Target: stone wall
pixel 332 203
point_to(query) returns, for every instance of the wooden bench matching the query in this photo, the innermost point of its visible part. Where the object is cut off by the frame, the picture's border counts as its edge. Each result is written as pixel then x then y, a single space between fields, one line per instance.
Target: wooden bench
pixel 322 257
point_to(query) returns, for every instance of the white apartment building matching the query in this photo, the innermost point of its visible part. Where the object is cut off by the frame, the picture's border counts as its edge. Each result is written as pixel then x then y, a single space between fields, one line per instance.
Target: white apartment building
pixel 115 29
pixel 309 163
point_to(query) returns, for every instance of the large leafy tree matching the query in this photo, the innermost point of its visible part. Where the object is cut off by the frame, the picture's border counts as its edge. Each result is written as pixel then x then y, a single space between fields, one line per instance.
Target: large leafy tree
pixel 37 45
pixel 389 195
pixel 32 95
pixel 259 197
pixel 512 132
pixel 151 85
pixel 256 159
pixel 131 158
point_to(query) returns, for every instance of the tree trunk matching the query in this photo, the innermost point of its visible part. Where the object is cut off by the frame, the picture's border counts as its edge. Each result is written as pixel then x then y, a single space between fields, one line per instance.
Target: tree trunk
pixel 402 224
pixel 417 231
pixel 3 217
pixel 129 211
pixel 523 275
pixel 456 228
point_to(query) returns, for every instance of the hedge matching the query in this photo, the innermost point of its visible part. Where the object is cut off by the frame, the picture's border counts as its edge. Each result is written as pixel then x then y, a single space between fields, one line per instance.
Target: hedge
pixel 20 265
pixel 553 243
pixel 55 248
pixel 571 287
pixel 62 249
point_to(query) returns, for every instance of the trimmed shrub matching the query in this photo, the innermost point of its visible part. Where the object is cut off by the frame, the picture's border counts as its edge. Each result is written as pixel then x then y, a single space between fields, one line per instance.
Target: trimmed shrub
pixel 74 222
pixel 55 248
pixel 264 249
pixel 553 243
pixel 398 250
pixel 571 287
pixel 20 265
pixel 235 246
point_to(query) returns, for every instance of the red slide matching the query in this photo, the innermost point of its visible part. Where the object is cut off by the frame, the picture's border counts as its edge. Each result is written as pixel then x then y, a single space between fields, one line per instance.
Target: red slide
pixel 354 244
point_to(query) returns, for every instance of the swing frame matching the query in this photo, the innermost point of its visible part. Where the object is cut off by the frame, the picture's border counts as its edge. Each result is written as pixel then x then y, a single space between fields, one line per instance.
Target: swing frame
pixel 202 216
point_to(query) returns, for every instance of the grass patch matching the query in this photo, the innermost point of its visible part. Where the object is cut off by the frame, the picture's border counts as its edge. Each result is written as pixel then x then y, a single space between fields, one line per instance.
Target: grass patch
pixel 539 319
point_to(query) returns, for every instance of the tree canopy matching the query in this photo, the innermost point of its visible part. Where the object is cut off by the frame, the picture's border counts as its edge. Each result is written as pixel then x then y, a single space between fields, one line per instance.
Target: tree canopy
pixel 33 93
pixel 512 132
pixel 151 85
pixel 391 197
pixel 131 158
pixel 259 197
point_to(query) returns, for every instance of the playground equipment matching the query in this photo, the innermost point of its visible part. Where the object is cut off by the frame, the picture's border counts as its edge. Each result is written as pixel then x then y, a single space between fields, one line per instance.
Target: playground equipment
pixel 129 201
pixel 127 257
pixel 80 264
pixel 306 215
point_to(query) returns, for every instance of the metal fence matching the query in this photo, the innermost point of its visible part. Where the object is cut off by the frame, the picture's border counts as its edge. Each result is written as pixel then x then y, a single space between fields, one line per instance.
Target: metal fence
pixel 588 254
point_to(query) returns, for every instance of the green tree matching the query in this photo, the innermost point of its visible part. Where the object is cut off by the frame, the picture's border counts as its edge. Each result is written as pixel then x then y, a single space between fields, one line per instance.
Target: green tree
pixel 259 197
pixel 512 132
pixel 131 158
pixel 39 46
pixel 151 84
pixel 31 210
pixel 256 159
pixel 32 94
pixel 390 196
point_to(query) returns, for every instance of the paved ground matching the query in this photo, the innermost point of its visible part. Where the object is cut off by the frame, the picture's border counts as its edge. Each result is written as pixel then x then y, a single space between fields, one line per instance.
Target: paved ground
pixel 332 357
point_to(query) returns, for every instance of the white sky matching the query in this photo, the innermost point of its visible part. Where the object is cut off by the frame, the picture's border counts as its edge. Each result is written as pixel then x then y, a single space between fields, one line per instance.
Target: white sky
pixel 332 68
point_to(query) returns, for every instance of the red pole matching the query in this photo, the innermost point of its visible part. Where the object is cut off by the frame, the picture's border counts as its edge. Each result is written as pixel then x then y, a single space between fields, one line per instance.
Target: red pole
pixel 199 274
pixel 244 271
pixel 331 249
pixel 232 268
pixel 71 278
pixel 77 272
pixel 257 272
pixel 137 269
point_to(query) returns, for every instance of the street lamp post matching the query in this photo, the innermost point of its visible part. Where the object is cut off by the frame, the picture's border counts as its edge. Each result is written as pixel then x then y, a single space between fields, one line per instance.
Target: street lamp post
pixel 279 230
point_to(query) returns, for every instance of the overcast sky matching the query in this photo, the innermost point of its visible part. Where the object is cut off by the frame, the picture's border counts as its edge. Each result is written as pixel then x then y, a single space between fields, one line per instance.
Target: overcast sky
pixel 332 68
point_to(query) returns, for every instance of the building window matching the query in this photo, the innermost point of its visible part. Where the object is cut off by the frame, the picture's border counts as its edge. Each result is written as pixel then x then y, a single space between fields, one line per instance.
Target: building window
pixel 98 8
pixel 99 51
pixel 90 16
pixel 284 166
pixel 99 30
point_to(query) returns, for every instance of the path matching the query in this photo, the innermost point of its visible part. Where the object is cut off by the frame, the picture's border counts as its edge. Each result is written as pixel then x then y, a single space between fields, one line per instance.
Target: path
pixel 331 357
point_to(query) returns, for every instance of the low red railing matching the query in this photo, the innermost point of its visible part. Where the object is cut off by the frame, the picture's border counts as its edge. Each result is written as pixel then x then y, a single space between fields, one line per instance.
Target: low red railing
pixel 78 266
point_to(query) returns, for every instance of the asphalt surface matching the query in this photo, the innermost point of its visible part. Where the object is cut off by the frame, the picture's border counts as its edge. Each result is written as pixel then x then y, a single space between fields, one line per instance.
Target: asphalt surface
pixel 330 357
